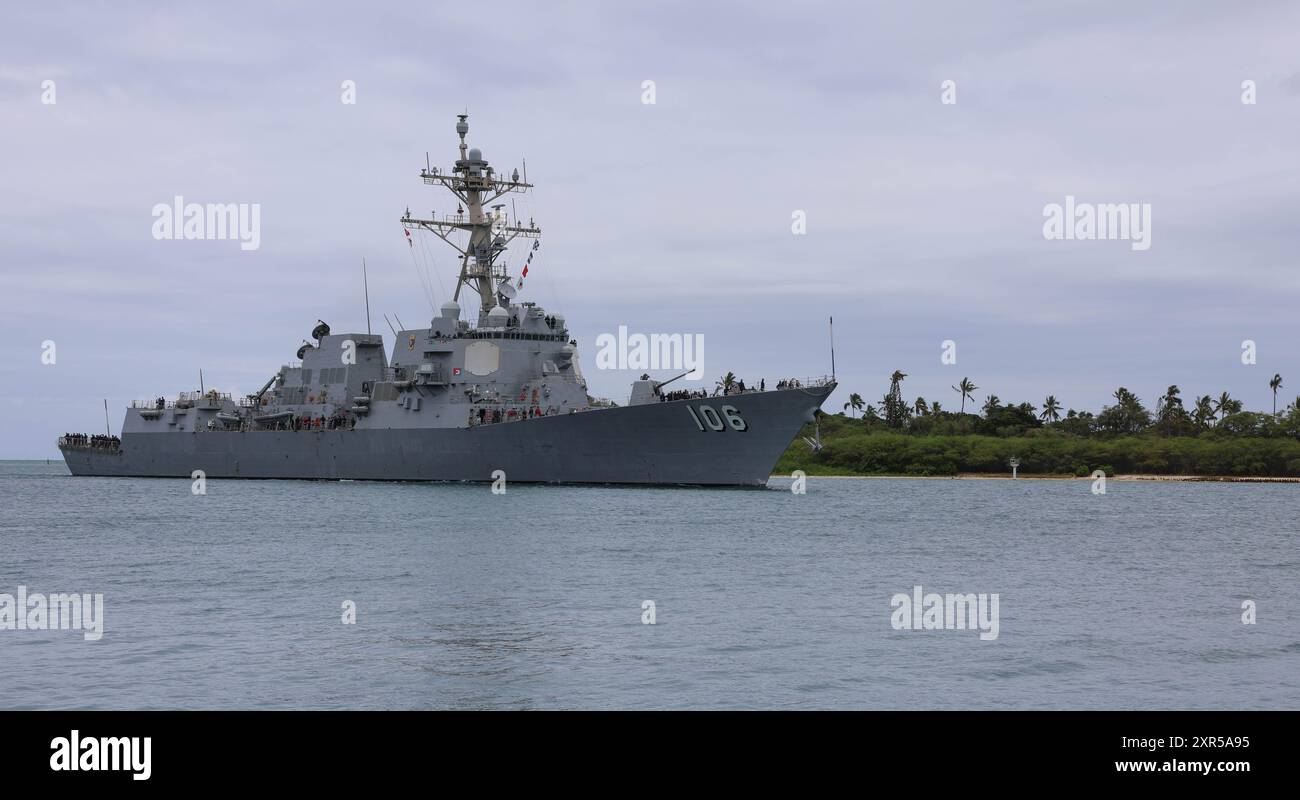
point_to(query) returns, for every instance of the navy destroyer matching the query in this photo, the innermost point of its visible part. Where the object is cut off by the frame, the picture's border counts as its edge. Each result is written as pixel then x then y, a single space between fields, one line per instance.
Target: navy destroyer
pixel 503 397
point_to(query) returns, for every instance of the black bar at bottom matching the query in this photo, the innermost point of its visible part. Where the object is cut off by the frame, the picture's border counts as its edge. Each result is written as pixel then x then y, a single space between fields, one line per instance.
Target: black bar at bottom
pixel 333 749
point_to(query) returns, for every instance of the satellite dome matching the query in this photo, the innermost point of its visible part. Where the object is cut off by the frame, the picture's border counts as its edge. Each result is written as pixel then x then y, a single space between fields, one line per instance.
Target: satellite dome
pixel 498 317
pixel 451 309
pixel 475 154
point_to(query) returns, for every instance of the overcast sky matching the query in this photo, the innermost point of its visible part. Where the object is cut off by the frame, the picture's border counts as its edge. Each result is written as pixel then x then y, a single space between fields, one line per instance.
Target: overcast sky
pixel 924 219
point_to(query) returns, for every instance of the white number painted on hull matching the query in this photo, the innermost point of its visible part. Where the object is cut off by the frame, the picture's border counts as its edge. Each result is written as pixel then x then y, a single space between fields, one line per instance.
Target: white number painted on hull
pixel 709 416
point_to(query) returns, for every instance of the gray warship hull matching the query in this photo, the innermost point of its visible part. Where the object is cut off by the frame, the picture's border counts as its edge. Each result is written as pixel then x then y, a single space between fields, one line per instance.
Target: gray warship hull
pixel 498 394
pixel 653 443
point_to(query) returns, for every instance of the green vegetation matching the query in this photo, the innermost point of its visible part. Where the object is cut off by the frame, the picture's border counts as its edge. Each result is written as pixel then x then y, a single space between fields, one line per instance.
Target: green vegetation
pixel 1216 437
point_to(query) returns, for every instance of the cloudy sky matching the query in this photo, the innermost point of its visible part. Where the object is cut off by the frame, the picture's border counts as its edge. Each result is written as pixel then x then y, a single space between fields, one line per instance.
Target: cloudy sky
pixel 924 219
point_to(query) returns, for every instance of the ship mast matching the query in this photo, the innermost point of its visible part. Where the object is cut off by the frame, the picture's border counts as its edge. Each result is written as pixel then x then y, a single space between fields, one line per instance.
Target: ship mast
pixel 476 185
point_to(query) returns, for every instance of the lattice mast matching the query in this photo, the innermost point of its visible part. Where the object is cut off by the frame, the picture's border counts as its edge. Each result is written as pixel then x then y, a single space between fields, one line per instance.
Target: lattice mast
pixel 476 185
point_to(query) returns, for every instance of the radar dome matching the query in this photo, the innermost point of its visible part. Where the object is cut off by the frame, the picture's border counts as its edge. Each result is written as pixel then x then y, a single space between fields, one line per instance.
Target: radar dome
pixel 498 317
pixel 451 309
pixel 475 154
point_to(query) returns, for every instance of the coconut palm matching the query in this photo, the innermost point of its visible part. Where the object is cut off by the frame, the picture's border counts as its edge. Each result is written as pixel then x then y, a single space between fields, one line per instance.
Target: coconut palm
pixel 921 407
pixel 1225 405
pixel 965 389
pixel 1170 407
pixel 1203 411
pixel 855 403
pixel 1051 409
pixel 727 383
pixel 1275 384
pixel 935 409
pixel 992 404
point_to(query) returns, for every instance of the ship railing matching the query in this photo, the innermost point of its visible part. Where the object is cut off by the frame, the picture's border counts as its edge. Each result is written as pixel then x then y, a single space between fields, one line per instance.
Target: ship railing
pixel 813 382
pixel 210 394
pixel 152 405
pixel 773 384
pixel 83 441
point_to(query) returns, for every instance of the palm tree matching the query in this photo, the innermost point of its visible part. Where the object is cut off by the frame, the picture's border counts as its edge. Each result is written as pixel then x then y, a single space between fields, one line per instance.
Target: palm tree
pixel 991 404
pixel 1203 411
pixel 1051 409
pixel 921 407
pixel 1275 384
pixel 1225 405
pixel 1171 405
pixel 935 409
pixel 855 403
pixel 965 389
pixel 727 383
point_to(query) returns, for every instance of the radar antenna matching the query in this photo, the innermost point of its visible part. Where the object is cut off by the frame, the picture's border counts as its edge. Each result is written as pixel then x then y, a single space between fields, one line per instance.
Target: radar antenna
pixel 475 185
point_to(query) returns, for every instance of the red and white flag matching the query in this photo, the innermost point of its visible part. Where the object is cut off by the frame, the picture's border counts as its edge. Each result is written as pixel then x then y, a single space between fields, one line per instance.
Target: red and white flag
pixel 409 240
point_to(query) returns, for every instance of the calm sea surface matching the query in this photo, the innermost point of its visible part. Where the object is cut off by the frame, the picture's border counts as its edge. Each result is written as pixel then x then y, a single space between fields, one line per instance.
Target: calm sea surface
pixel 763 599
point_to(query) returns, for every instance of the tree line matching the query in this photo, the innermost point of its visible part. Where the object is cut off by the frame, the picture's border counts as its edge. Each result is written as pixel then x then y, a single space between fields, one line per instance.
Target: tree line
pixel 1126 416
pixel 1208 436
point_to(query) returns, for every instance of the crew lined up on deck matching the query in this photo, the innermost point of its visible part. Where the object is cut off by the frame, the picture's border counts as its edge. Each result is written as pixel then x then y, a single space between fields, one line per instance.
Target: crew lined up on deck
pixel 738 387
pixel 83 440
pixel 683 394
pixel 489 416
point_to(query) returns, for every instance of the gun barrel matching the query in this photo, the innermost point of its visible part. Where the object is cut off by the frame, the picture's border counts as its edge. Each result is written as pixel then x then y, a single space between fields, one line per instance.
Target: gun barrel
pixel 670 380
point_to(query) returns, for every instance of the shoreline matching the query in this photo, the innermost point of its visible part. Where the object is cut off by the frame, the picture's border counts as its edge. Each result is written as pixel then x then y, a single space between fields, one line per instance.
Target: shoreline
pixel 980 476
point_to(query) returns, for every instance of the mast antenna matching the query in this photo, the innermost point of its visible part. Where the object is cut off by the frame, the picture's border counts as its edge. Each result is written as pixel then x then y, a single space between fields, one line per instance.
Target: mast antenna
pixel 832 348
pixel 365 281
pixel 107 426
pixel 476 186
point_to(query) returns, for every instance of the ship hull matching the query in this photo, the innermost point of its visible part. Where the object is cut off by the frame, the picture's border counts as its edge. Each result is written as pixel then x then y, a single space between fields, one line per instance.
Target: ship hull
pixel 654 443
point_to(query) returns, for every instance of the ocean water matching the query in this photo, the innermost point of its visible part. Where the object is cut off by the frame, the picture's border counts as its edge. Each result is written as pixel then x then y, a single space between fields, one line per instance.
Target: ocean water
pixel 763 598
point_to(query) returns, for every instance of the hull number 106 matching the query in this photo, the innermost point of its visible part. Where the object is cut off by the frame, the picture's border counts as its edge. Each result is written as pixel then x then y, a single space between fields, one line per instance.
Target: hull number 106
pixel 707 418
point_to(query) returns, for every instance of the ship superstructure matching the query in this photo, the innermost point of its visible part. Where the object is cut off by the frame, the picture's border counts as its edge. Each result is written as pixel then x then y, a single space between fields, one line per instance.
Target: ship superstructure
pixel 457 401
